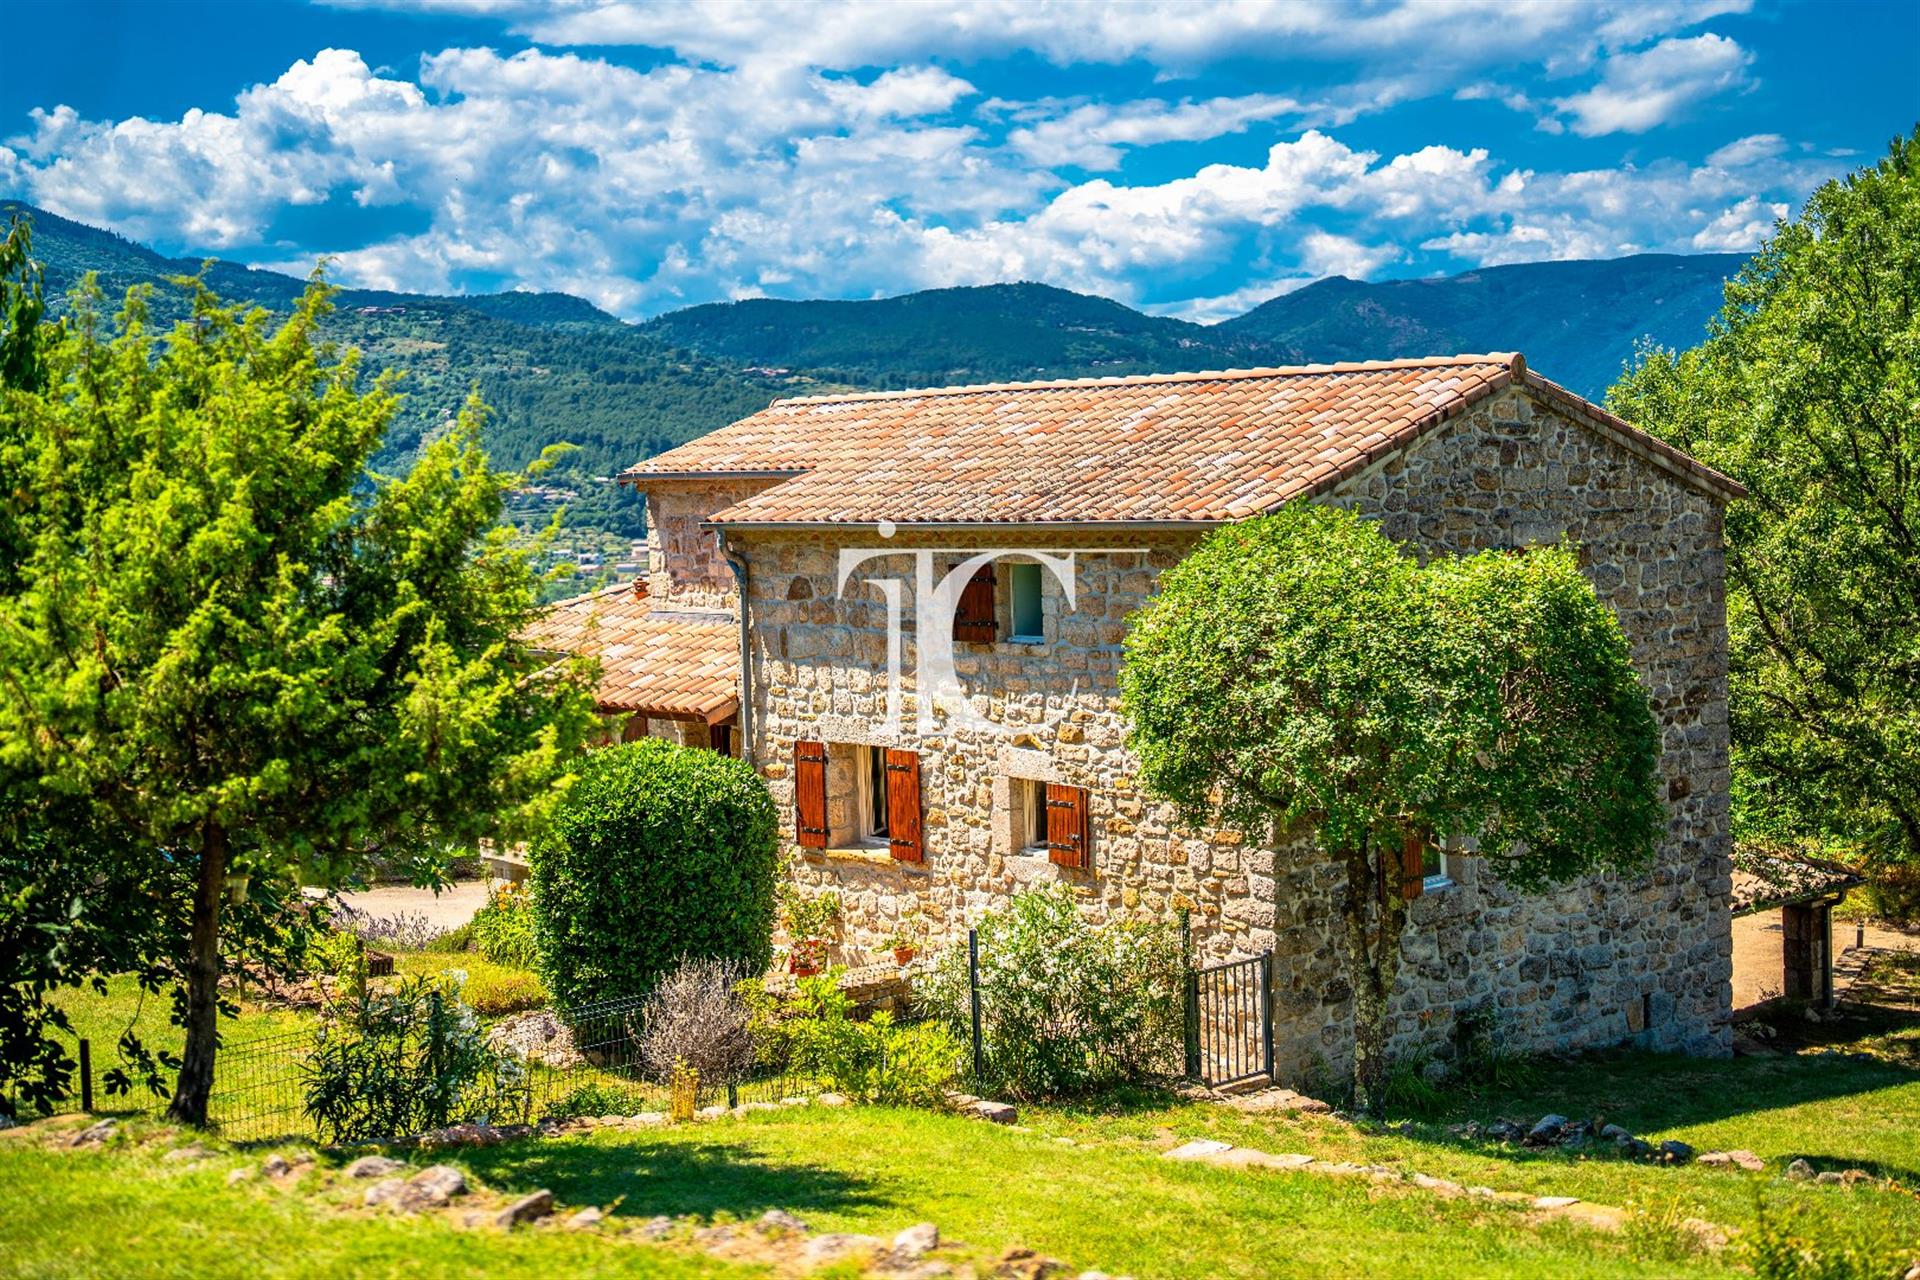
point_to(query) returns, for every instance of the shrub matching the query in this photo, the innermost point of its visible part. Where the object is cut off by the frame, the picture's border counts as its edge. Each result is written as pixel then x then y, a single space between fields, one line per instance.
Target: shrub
pixel 659 853
pixel 1066 1005
pixel 496 992
pixel 696 1017
pixel 502 930
pixel 402 931
pixel 874 1060
pixel 459 938
pixel 334 951
pixel 409 1060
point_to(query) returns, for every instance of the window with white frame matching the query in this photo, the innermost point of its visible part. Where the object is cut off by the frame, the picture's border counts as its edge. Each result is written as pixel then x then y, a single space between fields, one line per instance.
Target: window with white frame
pixel 1029 816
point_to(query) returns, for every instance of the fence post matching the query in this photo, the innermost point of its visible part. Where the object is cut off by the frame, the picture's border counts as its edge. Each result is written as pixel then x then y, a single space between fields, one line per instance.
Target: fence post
pixel 1189 999
pixel 1266 1009
pixel 86 1075
pixel 973 997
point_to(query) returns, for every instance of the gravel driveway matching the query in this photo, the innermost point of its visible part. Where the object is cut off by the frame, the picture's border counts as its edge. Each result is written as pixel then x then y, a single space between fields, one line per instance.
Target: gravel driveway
pixel 448 909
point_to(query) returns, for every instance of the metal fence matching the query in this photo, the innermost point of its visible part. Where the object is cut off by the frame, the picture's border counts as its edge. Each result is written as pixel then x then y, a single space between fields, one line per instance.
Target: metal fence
pixel 1230 1021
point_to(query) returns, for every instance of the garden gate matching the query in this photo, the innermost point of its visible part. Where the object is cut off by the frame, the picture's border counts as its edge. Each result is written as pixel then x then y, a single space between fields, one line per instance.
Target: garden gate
pixel 1230 1021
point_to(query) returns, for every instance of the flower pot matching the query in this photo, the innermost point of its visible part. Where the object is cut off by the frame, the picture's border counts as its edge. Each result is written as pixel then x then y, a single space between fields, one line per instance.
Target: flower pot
pixel 802 968
pixel 903 955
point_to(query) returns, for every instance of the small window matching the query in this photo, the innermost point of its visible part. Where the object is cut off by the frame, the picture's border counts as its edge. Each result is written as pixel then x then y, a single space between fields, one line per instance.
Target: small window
pixel 1030 816
pixel 1023 599
pixel 873 793
pixel 1433 865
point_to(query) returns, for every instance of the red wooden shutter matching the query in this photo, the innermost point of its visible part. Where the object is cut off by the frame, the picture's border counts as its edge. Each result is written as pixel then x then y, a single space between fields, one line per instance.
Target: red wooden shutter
pixel 1069 832
pixel 973 620
pixel 903 806
pixel 1413 876
pixel 810 794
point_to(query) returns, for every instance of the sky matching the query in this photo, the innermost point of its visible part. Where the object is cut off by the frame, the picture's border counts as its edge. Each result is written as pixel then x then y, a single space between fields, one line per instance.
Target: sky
pixel 1191 159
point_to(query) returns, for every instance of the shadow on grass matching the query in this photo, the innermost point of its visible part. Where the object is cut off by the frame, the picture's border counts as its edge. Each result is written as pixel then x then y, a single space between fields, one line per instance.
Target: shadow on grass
pixel 672 1178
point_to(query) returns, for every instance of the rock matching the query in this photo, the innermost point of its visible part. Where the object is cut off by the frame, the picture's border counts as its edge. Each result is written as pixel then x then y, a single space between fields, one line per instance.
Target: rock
pixel 1675 1152
pixel 1636 1149
pixel 1554 1202
pixel 832 1100
pixel 1545 1130
pixel 374 1167
pixel 1025 1264
pixel 1248 1158
pixel 94 1134
pixel 1439 1186
pixel 529 1208
pixel 993 1112
pixel 1732 1159
pixel 1614 1133
pixel 585 1220
pixel 781 1220
pixel 1506 1131
pixel 192 1151
pixel 538 1036
pixel 715 1237
pixel 432 1188
pixel 1800 1171
pixel 275 1166
pixel 1198 1149
pixel 1435 1072
pixel 837 1246
pixel 1913 1273
pixel 915 1242
pixel 711 1113
pixel 658 1228
pixel 237 1176
pixel 1830 1178
pixel 383 1192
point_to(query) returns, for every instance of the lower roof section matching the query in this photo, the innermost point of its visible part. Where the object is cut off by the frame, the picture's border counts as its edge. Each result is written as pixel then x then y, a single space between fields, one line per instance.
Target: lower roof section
pixel 672 664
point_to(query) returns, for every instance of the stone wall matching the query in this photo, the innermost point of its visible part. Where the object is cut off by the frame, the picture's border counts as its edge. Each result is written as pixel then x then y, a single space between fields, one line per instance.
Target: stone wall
pixel 684 566
pixel 1593 963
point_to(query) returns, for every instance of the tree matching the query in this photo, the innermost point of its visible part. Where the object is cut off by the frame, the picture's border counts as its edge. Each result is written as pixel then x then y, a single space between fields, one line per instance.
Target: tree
pixel 1807 391
pixel 239 649
pixel 1300 673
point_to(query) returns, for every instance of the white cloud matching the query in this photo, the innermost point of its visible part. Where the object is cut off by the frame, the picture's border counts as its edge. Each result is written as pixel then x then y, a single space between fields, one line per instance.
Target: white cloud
pixel 1094 135
pixel 1739 228
pixel 1638 91
pixel 1749 150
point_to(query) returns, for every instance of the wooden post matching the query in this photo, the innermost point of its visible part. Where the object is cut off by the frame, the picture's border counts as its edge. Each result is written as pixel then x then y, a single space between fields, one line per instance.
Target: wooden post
pixel 86 1076
pixel 973 994
pixel 1799 952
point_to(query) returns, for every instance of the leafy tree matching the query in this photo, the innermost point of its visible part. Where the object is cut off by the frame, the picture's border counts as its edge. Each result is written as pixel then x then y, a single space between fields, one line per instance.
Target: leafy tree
pixel 239 650
pixel 1807 390
pixel 1300 672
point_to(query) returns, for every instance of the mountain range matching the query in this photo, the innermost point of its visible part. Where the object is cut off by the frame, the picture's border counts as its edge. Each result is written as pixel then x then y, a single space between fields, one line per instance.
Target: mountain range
pixel 555 368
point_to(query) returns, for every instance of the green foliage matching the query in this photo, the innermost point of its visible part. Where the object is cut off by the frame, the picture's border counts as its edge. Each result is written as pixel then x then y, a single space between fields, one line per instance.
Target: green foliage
pixel 1807 390
pixel 1775 1250
pixel 503 927
pixel 406 1061
pixel 336 952
pixel 237 645
pixel 1302 671
pixel 660 853
pixel 1067 1005
pixel 874 1060
pixel 458 938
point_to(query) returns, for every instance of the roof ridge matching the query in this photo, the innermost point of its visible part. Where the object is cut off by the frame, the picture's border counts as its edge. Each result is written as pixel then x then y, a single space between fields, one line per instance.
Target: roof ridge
pixel 1507 358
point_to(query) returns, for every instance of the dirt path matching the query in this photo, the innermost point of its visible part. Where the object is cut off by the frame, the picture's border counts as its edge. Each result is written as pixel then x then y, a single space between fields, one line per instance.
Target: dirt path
pixel 1756 954
pixel 448 909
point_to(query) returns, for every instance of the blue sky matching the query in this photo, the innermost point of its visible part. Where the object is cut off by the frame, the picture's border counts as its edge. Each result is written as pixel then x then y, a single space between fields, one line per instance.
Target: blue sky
pixel 1189 158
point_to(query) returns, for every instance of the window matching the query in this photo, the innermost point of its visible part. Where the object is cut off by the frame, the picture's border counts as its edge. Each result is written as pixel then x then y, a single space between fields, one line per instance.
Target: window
pixel 1433 865
pixel 874 810
pixel 1023 604
pixel 1029 816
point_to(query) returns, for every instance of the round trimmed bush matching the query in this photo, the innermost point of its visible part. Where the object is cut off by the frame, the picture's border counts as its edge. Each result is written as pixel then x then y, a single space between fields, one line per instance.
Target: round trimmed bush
pixel 659 854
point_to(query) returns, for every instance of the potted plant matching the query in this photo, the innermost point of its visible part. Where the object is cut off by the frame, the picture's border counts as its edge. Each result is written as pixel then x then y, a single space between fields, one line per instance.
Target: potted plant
pixel 905 939
pixel 807 918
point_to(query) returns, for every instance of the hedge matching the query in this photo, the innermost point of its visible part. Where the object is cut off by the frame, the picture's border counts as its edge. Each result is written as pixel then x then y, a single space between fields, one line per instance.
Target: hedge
pixel 659 853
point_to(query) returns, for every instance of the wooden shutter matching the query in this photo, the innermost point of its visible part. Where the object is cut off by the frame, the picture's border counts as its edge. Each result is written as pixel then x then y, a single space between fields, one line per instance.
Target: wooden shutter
pixel 973 620
pixel 1069 831
pixel 904 840
pixel 810 794
pixel 1413 876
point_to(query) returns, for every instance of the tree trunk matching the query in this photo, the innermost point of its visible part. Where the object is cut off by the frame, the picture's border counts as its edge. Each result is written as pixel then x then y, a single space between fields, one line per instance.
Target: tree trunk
pixel 1375 918
pixel 203 983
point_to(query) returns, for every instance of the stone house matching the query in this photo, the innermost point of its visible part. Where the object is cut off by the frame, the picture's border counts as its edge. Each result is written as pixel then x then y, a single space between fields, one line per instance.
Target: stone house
pixel 925 596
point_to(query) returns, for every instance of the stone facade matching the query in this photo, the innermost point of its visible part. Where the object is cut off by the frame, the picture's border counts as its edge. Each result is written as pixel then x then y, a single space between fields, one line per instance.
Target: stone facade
pixel 1600 961
pixel 685 569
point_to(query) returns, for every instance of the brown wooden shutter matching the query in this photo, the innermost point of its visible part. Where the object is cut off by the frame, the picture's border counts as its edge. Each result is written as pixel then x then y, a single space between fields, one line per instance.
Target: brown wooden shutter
pixel 810 794
pixel 904 839
pixel 1069 830
pixel 1413 876
pixel 973 620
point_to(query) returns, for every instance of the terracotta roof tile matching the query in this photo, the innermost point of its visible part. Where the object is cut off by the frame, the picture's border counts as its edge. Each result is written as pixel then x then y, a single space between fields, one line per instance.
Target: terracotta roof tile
pixel 1169 447
pixel 661 662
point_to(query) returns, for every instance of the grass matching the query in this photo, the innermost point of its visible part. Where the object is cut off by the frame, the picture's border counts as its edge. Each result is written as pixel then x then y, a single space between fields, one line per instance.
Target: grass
pixel 1101 1199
